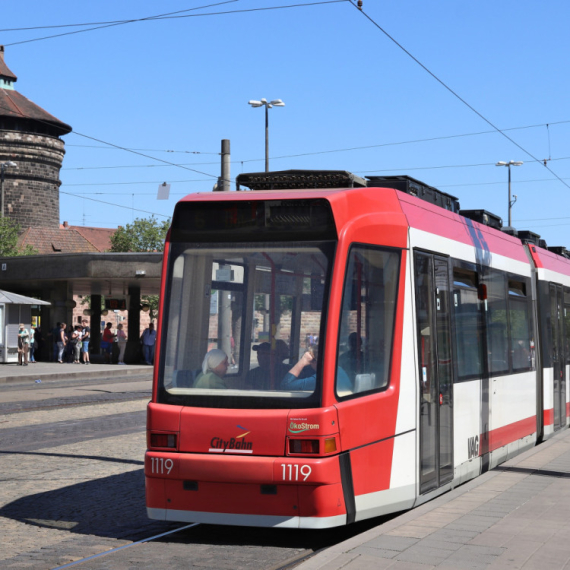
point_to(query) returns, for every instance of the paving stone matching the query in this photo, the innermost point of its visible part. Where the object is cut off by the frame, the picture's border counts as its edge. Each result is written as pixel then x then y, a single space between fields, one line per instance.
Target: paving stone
pixel 358 562
pixel 375 552
pixel 392 542
pixel 424 555
pixel 474 556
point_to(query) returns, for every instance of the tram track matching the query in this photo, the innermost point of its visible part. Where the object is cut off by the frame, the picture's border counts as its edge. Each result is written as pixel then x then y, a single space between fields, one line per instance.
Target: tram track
pixel 95 522
pixel 290 564
pixel 124 546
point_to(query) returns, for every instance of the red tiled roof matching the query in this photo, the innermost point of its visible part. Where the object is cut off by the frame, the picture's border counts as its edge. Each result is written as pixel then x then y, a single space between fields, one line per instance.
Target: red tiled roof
pixel 14 104
pixel 52 240
pixel 98 237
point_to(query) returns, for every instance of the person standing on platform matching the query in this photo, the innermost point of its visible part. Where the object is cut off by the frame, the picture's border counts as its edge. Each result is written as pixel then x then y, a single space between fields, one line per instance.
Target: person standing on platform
pixel 148 340
pixel 55 338
pixel 107 342
pixel 32 344
pixel 85 332
pixel 76 344
pixel 23 345
pixel 61 342
pixel 122 341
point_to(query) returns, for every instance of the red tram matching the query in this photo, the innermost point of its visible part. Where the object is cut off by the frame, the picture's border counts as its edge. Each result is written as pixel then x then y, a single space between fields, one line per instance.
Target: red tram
pixel 332 348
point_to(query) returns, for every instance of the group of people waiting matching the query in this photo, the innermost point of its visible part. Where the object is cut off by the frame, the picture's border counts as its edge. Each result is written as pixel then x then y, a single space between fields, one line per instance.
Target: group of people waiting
pixel 71 344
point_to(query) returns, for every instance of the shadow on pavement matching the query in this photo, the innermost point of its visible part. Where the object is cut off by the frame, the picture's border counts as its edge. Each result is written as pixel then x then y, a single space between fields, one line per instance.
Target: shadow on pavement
pixel 111 507
pixel 114 507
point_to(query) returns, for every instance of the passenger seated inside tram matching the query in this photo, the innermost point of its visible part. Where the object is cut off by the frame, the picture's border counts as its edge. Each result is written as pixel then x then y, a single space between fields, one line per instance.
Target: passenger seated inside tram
pixel 260 378
pixel 214 368
pixel 352 359
pixel 293 381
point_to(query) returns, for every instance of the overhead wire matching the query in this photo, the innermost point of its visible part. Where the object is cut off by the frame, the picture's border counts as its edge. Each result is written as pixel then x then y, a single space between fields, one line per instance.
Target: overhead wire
pixel 56 26
pixel 167 163
pixel 454 93
pixel 167 17
pixel 110 144
pixel 118 23
pixel 116 205
pixel 298 155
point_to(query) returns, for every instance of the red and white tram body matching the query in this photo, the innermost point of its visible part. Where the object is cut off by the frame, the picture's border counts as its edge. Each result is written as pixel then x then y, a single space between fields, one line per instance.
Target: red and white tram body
pixel 442 351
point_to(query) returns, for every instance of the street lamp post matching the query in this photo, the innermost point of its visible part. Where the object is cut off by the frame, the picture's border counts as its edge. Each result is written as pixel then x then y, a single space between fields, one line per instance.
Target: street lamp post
pixel 267 105
pixel 508 165
pixel 3 166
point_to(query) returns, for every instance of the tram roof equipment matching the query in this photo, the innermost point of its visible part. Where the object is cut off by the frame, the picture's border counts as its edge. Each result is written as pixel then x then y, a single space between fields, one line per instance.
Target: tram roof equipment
pixel 299 179
pixel 417 188
pixel 483 217
pixel 319 179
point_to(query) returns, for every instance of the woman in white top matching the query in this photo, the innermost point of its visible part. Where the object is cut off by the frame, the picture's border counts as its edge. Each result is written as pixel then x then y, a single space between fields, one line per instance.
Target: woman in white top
pixel 122 340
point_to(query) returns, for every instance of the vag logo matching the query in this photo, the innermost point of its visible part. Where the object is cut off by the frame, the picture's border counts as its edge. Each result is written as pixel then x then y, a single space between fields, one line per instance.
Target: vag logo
pixel 473 447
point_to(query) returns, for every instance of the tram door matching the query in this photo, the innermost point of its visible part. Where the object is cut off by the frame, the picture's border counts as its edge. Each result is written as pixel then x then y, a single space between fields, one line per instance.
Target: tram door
pixel 558 356
pixel 436 371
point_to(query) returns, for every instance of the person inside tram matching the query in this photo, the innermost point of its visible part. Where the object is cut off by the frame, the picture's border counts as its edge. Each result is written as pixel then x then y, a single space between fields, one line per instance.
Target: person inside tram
pixel 214 368
pixel 260 378
pixel 295 380
pixel 351 360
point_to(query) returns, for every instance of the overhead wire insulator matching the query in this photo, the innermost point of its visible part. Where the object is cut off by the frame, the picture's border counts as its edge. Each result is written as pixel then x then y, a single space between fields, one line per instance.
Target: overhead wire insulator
pixel 360 4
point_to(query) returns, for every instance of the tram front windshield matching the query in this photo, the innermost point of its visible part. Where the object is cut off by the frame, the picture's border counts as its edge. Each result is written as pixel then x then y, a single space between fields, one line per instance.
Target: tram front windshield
pixel 238 319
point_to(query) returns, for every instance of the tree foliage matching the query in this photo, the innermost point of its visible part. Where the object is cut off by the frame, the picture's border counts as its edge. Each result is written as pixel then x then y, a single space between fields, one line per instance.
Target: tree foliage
pixel 142 235
pixel 9 232
pixel 152 301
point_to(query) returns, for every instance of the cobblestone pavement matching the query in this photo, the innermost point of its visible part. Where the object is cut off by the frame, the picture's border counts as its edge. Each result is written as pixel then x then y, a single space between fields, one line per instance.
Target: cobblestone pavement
pixel 27 396
pixel 72 486
pixel 68 501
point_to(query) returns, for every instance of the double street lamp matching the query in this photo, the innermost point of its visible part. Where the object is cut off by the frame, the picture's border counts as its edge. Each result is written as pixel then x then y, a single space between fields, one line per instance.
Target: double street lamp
pixel 3 166
pixel 267 105
pixel 508 165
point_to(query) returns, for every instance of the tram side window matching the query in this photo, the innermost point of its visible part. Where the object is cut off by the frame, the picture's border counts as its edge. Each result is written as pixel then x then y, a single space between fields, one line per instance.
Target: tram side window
pixel 497 323
pixel 468 334
pixel 367 320
pixel 521 336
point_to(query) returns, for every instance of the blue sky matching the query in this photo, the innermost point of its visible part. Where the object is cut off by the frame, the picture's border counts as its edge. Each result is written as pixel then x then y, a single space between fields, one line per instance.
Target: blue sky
pixel 183 85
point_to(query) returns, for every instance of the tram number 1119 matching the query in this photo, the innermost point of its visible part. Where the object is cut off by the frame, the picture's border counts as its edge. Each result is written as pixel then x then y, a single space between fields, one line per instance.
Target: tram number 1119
pixel 160 465
pixel 292 471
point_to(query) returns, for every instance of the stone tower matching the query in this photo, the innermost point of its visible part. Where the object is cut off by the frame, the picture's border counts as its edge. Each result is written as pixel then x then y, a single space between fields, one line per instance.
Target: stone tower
pixel 30 139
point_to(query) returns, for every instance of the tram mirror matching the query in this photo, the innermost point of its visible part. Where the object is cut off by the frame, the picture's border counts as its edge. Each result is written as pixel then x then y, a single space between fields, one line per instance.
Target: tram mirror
pixel 364 382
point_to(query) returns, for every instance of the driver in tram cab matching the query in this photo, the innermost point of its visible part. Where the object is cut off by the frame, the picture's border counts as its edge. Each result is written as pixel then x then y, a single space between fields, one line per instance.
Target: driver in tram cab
pixel 214 368
pixel 310 358
pixel 259 378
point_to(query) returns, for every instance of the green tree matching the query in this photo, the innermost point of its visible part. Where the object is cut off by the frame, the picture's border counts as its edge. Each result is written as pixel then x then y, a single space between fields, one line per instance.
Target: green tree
pixel 142 235
pixel 9 232
pixel 152 301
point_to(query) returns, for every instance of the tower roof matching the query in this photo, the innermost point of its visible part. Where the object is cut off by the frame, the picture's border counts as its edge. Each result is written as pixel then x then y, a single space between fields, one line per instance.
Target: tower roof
pixel 15 106
pixel 4 70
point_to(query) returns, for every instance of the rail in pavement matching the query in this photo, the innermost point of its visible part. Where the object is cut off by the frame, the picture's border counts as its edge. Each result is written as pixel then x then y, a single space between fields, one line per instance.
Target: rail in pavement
pixel 515 516
pixel 13 373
